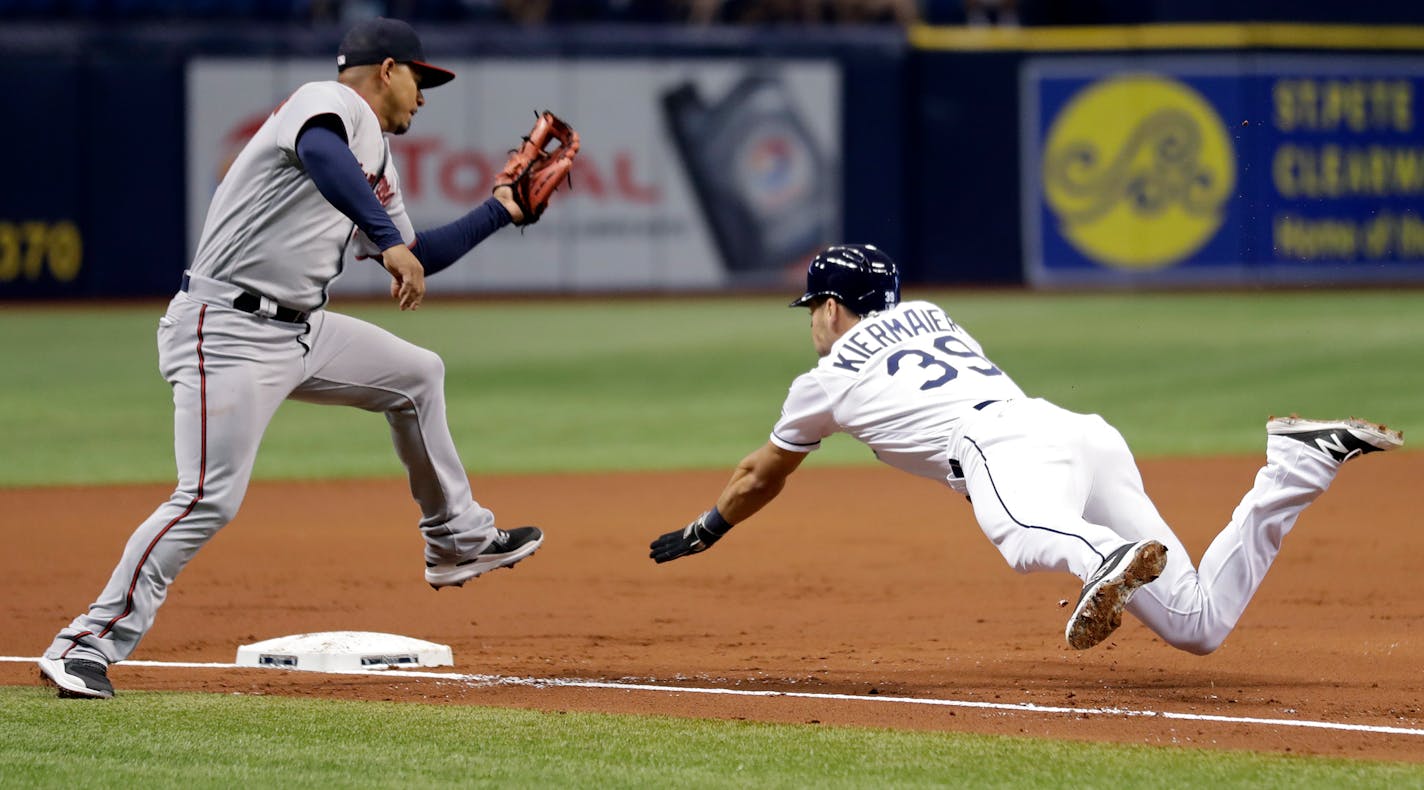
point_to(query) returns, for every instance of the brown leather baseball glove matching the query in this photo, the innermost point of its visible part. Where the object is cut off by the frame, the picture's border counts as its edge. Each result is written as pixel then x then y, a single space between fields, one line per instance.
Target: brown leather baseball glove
pixel 533 171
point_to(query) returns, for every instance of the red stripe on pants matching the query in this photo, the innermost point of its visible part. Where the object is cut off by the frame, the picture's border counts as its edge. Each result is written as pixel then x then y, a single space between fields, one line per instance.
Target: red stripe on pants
pixel 202 476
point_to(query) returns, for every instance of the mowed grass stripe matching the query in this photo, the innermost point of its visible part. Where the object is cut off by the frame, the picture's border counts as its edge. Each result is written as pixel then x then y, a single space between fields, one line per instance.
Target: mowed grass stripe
pixel 539 386
pixel 191 740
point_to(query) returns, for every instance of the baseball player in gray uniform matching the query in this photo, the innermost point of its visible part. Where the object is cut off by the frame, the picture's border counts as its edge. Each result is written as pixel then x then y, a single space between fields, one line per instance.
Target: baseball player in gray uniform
pixel 248 330
pixel 1053 490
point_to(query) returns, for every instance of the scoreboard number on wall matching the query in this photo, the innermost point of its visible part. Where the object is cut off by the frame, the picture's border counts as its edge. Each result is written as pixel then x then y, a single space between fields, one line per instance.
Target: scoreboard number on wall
pixel 34 250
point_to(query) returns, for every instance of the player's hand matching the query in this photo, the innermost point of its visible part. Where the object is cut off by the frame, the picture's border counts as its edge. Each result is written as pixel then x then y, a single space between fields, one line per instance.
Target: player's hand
pixel 408 283
pixel 696 537
pixel 505 195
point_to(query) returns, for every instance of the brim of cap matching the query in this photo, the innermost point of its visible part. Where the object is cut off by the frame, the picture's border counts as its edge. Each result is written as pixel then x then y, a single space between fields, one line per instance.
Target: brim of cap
pixel 804 299
pixel 432 76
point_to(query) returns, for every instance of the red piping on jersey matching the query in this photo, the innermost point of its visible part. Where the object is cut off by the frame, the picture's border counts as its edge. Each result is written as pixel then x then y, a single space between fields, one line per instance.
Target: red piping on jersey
pixel 202 475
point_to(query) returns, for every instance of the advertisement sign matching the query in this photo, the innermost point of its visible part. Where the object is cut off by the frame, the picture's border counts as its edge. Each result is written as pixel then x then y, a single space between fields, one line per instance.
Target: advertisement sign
pixel 692 173
pixel 1223 170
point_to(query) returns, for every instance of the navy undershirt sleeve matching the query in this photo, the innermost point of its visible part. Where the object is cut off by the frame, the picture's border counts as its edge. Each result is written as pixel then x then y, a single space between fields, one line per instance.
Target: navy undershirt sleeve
pixel 437 248
pixel 337 174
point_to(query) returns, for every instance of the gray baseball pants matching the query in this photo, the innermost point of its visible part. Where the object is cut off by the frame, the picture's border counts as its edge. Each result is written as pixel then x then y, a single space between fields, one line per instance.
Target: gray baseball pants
pixel 229 371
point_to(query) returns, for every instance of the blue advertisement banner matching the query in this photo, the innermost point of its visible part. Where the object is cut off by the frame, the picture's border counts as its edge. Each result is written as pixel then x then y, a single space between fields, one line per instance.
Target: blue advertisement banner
pixel 1223 170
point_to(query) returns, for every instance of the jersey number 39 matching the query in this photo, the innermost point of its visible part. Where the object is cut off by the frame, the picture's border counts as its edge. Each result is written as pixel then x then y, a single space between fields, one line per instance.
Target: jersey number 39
pixel 950 346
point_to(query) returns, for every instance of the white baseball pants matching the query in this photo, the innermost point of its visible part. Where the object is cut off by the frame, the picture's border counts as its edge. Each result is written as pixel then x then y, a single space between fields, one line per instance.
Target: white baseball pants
pixel 1056 490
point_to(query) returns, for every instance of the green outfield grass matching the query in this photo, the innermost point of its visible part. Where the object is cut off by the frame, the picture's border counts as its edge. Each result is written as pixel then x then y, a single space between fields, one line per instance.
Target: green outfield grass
pixel 652 384
pixel 690 383
pixel 188 740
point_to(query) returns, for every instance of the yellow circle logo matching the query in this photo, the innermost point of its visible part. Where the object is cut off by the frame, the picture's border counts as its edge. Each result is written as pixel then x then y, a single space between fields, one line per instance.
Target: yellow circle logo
pixel 1138 170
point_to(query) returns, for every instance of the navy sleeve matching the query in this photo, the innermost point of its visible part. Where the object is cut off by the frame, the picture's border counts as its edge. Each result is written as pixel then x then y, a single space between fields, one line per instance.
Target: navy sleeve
pixel 437 248
pixel 337 174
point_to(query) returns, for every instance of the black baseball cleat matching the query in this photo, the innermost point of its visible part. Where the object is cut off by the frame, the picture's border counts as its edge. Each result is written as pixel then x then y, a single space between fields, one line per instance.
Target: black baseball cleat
pixel 1105 595
pixel 77 678
pixel 505 551
pixel 1339 439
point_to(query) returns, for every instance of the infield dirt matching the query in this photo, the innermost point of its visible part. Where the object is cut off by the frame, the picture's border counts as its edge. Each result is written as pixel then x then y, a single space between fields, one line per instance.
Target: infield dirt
pixel 856 581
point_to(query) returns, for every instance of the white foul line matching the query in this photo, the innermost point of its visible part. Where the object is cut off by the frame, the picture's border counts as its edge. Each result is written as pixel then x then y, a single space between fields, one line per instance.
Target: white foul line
pixel 1024 707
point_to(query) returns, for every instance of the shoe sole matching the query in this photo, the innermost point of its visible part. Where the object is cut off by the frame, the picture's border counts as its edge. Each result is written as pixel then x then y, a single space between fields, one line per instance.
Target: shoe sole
pixel 1099 613
pixel 456 575
pixel 1380 437
pixel 52 672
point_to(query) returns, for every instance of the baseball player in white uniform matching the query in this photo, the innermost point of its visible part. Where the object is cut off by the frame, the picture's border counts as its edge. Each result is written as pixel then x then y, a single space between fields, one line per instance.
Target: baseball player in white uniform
pixel 248 330
pixel 1052 489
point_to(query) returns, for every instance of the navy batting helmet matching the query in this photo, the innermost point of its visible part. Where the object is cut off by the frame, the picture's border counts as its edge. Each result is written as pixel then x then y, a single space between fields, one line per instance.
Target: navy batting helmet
pixel 859 276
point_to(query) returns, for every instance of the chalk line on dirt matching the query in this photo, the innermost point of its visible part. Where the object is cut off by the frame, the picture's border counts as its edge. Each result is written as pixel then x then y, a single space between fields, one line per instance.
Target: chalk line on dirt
pixel 1019 707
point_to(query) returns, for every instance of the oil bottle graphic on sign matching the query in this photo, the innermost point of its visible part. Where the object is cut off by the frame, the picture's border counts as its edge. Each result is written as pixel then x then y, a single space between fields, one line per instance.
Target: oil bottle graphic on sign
pixel 763 183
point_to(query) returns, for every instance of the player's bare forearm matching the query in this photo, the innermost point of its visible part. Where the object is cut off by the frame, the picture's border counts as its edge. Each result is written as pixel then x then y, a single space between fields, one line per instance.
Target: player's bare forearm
pixel 757 480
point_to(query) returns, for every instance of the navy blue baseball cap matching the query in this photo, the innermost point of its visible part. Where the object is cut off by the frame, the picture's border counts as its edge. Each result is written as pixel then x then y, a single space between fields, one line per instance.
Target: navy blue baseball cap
pixel 372 41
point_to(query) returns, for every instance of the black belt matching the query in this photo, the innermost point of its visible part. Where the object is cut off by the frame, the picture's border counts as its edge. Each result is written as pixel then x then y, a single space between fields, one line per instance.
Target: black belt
pixel 954 467
pixel 251 303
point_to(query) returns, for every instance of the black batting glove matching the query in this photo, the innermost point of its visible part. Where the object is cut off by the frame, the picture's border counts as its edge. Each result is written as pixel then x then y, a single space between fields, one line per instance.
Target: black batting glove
pixel 698 536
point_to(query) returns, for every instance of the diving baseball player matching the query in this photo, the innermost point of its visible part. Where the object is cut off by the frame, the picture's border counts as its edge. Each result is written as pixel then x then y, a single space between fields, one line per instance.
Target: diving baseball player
pixel 248 330
pixel 1052 489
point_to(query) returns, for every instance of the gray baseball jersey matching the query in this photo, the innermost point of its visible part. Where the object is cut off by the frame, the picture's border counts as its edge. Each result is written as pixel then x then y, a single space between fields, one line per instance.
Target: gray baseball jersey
pixel 267 215
pixel 247 332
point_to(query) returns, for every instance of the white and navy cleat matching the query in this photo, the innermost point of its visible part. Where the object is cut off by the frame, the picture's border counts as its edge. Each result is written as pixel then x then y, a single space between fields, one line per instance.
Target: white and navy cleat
pixel 1339 439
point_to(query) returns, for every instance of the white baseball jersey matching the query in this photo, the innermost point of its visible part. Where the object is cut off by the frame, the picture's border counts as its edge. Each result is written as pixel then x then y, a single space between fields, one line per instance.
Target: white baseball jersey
pixel 269 231
pixel 900 381
pixel 1052 489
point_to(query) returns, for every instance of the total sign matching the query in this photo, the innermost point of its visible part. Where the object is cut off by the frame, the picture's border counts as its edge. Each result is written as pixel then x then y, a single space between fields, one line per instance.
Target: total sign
pixel 692 174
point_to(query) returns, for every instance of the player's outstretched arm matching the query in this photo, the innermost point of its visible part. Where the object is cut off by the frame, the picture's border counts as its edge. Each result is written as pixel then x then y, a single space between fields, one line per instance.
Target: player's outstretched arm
pixel 522 191
pixel 758 479
pixel 438 248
